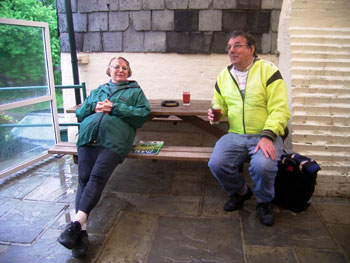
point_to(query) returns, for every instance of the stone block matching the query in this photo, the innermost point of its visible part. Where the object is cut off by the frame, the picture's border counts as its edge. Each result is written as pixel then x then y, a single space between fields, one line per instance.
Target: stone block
pixel 92 42
pixel 118 21
pixel 61 8
pixel 133 41
pixel 98 21
pixel 210 20
pixel 259 21
pixel 79 41
pixel 113 5
pixel 163 20
pixel 176 4
pixel 234 20
pixel 64 42
pixel 62 23
pixel 80 22
pixel 266 43
pixel 130 4
pixel 220 40
pixel 248 4
pixel 274 47
pixel 200 42
pixel 275 19
pixel 112 41
pixel 186 20
pixel 141 20
pixel 271 4
pixel 258 39
pixel 224 4
pixel 87 6
pixel 177 42
pixel 153 4
pixel 155 41
pixel 200 4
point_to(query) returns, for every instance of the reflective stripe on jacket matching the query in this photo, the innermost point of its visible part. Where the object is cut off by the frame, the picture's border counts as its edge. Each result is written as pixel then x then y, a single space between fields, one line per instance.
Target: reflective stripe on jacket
pixel 264 106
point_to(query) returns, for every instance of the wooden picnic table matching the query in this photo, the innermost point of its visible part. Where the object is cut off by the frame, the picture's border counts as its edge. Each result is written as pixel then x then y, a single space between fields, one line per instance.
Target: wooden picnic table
pixel 195 113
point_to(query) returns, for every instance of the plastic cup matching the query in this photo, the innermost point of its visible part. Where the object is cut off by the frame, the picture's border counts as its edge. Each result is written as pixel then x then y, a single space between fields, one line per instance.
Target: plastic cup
pixel 186 98
pixel 217 114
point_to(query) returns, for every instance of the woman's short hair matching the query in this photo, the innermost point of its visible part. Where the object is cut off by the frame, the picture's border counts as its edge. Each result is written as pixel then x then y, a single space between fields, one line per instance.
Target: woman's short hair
pixel 108 71
pixel 248 36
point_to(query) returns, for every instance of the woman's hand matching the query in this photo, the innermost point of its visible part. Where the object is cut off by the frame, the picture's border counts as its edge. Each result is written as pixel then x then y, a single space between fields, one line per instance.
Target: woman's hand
pixel 99 106
pixel 104 106
pixel 107 106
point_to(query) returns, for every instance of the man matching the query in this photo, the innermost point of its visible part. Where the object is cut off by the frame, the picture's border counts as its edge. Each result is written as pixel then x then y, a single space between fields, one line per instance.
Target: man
pixel 253 95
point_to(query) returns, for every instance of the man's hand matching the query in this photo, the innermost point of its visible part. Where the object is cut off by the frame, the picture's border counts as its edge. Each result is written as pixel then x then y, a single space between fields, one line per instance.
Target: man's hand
pixel 267 147
pixel 210 116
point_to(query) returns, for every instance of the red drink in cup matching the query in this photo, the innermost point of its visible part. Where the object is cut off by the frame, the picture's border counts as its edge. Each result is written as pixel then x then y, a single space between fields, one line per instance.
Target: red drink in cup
pixel 186 98
pixel 217 114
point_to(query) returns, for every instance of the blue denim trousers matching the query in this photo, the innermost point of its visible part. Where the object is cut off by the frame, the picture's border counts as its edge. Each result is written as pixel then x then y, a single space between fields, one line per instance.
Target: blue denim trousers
pixel 232 150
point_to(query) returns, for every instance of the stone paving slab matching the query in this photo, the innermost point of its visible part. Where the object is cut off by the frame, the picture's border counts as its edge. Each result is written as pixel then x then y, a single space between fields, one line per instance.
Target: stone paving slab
pixel 27 220
pixel 304 229
pixel 22 187
pixel 130 239
pixel 334 214
pixel 48 250
pixel 320 256
pixel 261 254
pixel 162 205
pixel 142 176
pixel 341 233
pixel 197 240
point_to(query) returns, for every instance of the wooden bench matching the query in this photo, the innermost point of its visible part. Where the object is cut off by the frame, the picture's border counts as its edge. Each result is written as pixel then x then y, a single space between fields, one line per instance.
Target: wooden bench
pixel 179 153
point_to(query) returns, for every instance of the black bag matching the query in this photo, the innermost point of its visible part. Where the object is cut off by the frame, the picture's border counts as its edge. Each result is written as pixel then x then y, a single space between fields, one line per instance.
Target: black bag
pixel 295 181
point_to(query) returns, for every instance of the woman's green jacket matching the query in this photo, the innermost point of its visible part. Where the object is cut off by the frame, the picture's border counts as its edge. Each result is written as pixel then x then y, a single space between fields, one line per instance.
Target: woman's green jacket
pixel 116 130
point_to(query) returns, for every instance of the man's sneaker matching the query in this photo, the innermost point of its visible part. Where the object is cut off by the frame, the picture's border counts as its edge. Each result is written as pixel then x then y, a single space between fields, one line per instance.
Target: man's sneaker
pixel 82 245
pixel 237 201
pixel 69 236
pixel 265 213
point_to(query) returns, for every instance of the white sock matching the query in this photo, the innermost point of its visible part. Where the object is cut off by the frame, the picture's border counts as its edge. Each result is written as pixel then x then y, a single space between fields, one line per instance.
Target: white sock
pixel 81 217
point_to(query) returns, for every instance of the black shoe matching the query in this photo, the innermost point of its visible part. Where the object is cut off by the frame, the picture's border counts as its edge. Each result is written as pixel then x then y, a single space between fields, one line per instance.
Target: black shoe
pixel 265 213
pixel 237 201
pixel 69 236
pixel 82 245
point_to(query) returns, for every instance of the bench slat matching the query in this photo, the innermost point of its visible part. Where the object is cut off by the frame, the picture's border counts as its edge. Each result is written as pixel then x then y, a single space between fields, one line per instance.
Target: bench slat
pixel 185 153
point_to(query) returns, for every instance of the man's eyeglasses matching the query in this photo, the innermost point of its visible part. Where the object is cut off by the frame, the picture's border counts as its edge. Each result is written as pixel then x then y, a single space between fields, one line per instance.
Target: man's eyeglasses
pixel 236 46
pixel 118 68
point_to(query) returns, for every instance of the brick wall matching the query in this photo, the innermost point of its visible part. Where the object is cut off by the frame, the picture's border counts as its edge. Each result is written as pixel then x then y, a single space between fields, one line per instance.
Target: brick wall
pixel 163 26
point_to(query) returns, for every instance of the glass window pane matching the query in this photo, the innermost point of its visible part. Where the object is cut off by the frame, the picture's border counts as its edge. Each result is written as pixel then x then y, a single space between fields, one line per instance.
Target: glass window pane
pixel 25 132
pixel 23 67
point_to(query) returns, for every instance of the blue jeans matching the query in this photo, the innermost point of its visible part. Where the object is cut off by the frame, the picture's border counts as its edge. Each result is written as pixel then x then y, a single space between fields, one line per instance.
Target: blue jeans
pixel 232 150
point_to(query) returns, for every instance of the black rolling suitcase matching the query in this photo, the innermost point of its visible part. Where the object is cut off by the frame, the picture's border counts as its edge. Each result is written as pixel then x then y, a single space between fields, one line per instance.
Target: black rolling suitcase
pixel 295 181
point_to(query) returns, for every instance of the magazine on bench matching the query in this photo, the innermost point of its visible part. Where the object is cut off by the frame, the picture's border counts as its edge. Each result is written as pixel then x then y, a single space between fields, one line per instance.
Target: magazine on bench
pixel 147 147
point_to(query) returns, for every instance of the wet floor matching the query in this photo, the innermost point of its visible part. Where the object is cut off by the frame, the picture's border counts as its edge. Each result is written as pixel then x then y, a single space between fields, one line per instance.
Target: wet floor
pixel 162 211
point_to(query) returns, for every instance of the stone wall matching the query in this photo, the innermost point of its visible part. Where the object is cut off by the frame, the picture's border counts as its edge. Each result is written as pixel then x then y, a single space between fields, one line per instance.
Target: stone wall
pixel 163 26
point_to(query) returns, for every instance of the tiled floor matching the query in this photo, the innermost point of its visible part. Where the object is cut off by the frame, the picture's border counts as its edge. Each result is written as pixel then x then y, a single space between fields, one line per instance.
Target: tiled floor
pixel 162 212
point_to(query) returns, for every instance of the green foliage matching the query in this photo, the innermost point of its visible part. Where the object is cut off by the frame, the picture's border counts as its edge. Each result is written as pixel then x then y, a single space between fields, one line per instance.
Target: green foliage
pixel 20 47
pixel 5 133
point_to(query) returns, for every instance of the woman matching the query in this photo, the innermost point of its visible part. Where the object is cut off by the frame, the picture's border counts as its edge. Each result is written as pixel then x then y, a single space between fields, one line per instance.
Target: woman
pixel 109 118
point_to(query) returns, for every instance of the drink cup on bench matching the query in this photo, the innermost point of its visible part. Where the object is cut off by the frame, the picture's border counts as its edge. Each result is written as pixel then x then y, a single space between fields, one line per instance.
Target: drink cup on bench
pixel 186 98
